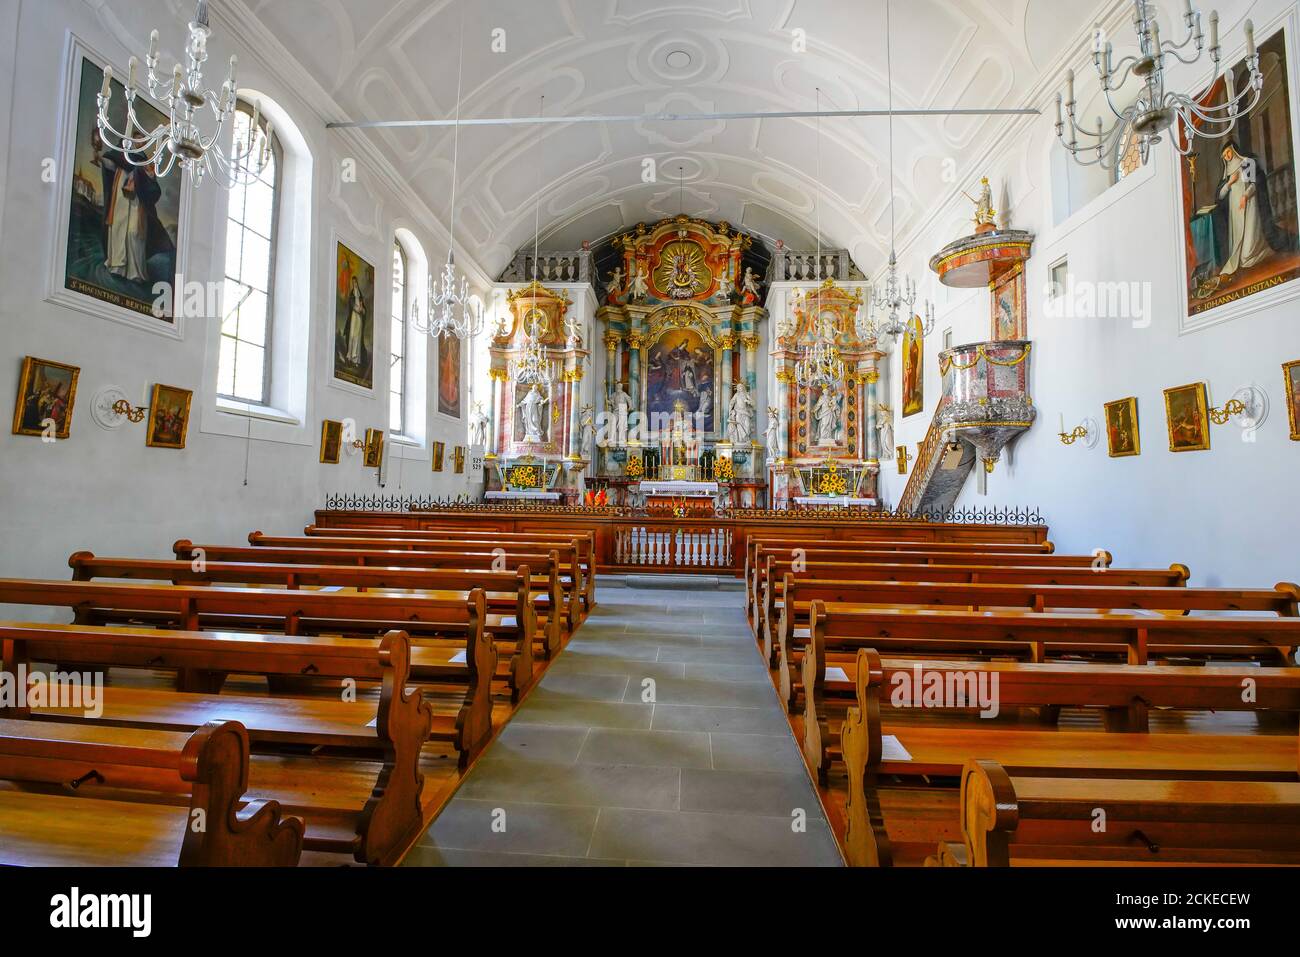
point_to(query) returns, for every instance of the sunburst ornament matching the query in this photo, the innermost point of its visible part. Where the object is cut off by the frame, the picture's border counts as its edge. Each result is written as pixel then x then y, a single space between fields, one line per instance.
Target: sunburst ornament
pixel 682 272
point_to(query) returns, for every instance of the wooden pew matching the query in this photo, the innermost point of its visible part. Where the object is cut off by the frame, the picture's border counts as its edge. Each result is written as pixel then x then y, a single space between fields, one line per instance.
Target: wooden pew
pixel 398 555
pixel 935 751
pixel 585 539
pixel 373 816
pixel 206 607
pixel 115 817
pixel 793 626
pixel 1008 819
pixel 510 592
pixel 570 550
pixel 771 568
pixel 774 591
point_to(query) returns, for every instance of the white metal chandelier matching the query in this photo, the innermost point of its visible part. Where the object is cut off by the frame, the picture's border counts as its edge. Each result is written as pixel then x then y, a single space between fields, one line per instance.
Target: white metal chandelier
pixel 451 310
pixel 893 303
pixel 1156 109
pixel 179 141
pixel 819 364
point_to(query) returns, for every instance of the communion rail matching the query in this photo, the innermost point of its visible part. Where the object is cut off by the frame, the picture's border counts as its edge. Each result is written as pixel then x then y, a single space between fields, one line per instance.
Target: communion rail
pixel 658 548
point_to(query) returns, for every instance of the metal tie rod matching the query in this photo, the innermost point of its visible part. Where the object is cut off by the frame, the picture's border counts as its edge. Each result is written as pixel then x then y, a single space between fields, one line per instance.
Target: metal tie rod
pixel 674 117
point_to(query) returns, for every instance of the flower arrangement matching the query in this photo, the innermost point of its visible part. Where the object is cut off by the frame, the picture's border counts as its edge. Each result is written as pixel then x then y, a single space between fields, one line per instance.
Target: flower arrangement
pixel 723 470
pixel 524 476
pixel 833 482
pixel 635 469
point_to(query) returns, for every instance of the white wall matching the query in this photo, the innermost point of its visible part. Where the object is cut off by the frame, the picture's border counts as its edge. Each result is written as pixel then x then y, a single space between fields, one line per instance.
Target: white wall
pixel 1230 513
pixel 106 491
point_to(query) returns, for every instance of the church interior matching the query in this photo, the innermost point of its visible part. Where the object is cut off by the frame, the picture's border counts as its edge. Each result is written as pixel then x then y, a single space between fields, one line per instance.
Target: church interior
pixel 746 433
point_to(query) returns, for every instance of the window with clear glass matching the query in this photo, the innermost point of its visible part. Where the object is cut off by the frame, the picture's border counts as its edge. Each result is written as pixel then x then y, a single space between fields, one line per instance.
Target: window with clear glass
pixel 244 368
pixel 397 346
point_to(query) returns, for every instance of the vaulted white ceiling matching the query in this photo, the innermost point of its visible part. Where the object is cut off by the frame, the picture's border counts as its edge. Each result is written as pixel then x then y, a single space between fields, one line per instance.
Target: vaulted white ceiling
pixel 396 59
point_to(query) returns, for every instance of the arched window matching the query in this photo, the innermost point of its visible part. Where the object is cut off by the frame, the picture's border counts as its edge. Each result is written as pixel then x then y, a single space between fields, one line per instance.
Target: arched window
pixel 397 364
pixel 244 364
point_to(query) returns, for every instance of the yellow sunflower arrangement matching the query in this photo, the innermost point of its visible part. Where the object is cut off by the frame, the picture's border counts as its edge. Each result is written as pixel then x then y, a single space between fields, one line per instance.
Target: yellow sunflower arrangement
pixel 833 482
pixel 524 476
pixel 635 469
pixel 723 471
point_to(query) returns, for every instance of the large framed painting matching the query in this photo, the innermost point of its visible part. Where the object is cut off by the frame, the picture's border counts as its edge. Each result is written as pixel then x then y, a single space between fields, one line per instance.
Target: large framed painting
pixel 1291 378
pixel 1187 415
pixel 1008 304
pixel 450 394
pixel 1239 199
pixel 169 417
pixel 681 367
pixel 120 225
pixel 1122 428
pixel 46 392
pixel 913 368
pixel 354 319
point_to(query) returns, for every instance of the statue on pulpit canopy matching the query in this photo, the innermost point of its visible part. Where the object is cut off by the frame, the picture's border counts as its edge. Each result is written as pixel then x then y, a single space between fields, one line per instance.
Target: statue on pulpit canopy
pixel 532 408
pixel 740 416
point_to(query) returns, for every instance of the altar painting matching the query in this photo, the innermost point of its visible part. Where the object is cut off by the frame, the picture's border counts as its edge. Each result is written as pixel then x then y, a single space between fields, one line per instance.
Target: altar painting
pixel 1239 193
pixel 680 368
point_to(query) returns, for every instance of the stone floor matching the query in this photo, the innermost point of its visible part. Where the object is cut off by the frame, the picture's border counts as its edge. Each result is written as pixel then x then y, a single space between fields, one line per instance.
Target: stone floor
pixel 655 738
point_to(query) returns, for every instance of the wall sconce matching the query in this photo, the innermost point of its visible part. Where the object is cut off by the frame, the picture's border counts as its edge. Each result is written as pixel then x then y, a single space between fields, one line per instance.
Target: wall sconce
pixel 1249 402
pixel 110 408
pixel 1086 431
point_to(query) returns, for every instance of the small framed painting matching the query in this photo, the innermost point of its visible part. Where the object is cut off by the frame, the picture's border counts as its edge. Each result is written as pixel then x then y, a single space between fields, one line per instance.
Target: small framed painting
pixel 1122 428
pixel 331 441
pixel 1187 414
pixel 46 391
pixel 169 417
pixel 458 460
pixel 439 450
pixel 1008 304
pixel 1291 376
pixel 902 455
pixel 374 449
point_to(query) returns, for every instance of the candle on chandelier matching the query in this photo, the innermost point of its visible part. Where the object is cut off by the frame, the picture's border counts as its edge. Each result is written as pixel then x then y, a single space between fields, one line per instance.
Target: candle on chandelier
pixel 153 46
pixel 1214 29
pixel 1060 119
pixel 234 62
pixel 1155 38
pixel 1250 38
pixel 1069 86
pixel 176 80
pixel 224 102
pixel 132 66
pixel 1187 9
pixel 106 90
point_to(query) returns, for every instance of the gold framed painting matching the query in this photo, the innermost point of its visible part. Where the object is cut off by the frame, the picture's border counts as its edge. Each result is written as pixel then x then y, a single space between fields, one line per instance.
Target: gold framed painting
pixel 46 392
pixel 1188 418
pixel 1291 375
pixel 374 450
pixel 331 441
pixel 458 460
pixel 1122 436
pixel 901 455
pixel 169 417
pixel 439 451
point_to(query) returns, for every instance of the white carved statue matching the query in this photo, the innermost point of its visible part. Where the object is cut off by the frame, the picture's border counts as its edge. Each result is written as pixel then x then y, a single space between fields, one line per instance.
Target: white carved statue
pixel 749 284
pixel 588 430
pixel 885 426
pixel 621 405
pixel 827 415
pixel 478 427
pixel 532 406
pixel 638 288
pixel 740 416
pixel 773 434
pixel 616 280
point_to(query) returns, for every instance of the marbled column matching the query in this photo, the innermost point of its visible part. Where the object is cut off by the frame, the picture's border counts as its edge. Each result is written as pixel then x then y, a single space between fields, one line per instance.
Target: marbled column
pixel 728 343
pixel 870 378
pixel 783 379
pixel 612 340
pixel 634 342
pixel 498 413
pixel 574 378
pixel 751 372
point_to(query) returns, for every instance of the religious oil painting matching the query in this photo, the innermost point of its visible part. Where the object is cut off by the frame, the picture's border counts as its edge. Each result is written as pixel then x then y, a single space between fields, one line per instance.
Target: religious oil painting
pixel 458 460
pixel 901 456
pixel 450 399
pixel 169 417
pixel 1008 303
pixel 680 369
pixel 1122 428
pixel 913 368
pixel 1239 193
pixel 354 319
pixel 124 220
pixel 1187 413
pixel 1291 378
pixel 374 448
pixel 439 452
pixel 331 441
pixel 46 392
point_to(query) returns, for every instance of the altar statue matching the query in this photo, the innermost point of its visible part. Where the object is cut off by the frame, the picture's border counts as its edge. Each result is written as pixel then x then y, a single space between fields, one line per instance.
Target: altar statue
pixel 620 404
pixel 478 425
pixel 615 285
pixel 637 289
pixel 773 434
pixel 532 406
pixel 740 416
pixel 827 416
pixel 588 431
pixel 885 425
pixel 749 287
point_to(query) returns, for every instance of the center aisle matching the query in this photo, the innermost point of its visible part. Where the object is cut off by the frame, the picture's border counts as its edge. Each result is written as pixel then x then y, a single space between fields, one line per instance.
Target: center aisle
pixel 655 738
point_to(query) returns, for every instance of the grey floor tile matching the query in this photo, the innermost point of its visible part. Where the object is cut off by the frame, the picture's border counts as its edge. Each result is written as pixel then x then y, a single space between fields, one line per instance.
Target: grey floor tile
pixel 689 717
pixel 561 711
pixel 580 687
pixel 754 672
pixel 664 749
pixel 749 792
pixel 756 752
pixel 528 828
pixel 537 742
pixel 709 691
pixel 722 839
pixel 572 662
pixel 575 785
pixel 713 654
pixel 425 856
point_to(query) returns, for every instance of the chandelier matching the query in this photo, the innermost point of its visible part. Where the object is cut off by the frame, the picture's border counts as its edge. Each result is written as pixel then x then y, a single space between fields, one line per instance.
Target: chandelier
pixel 892 304
pixel 179 140
pixel 1155 108
pixel 532 365
pixel 452 311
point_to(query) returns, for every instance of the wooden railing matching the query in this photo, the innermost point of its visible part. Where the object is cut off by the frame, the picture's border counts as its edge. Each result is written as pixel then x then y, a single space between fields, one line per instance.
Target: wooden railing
pixel 910 500
pixel 661 547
